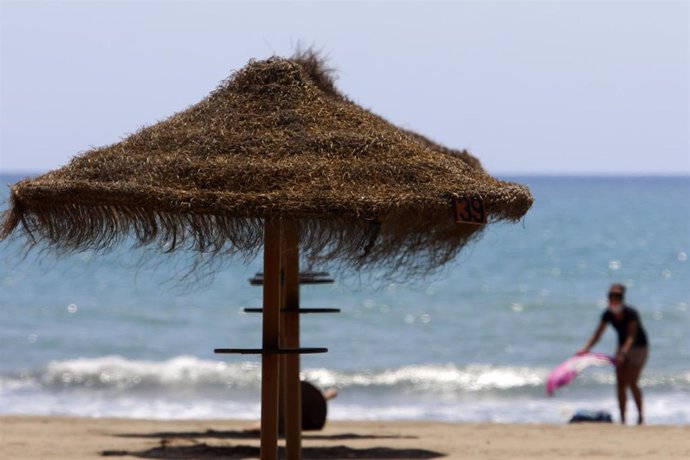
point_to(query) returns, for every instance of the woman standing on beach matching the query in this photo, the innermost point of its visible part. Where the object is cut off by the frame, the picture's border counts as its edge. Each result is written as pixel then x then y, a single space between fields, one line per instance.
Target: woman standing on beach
pixel 633 347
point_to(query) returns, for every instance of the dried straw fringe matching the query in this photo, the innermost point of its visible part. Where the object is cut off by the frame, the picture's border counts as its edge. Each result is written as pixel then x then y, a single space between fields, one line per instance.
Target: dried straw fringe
pixel 339 243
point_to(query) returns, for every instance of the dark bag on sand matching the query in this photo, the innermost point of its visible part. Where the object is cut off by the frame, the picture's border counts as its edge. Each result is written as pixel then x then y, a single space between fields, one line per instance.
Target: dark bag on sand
pixel 314 409
pixel 598 416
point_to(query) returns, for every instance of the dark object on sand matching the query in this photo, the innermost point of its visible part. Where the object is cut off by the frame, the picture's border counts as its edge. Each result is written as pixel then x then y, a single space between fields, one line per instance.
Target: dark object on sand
pixel 314 409
pixel 596 416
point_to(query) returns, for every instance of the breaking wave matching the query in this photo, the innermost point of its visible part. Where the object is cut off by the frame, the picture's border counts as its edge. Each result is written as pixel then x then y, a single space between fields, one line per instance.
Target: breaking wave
pixel 189 387
pixel 118 373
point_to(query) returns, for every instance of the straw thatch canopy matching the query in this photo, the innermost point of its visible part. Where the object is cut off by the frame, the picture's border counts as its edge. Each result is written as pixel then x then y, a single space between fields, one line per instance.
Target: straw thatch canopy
pixel 275 139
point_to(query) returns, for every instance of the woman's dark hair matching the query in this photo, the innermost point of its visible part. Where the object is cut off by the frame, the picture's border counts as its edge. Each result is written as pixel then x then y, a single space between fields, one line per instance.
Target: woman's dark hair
pixel 617 288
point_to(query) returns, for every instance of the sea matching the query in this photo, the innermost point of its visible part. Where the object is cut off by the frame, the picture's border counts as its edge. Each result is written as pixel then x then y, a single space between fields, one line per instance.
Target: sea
pixel 131 333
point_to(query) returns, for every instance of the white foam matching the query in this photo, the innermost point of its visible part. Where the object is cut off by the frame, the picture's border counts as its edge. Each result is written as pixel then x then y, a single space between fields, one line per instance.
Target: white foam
pixel 116 371
pixel 187 387
pixel 435 377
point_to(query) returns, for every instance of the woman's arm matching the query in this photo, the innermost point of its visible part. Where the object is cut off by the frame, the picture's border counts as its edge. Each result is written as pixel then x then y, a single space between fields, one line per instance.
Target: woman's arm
pixel 594 339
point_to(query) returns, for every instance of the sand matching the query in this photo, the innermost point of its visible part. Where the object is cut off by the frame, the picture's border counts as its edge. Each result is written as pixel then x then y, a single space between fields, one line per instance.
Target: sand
pixel 95 438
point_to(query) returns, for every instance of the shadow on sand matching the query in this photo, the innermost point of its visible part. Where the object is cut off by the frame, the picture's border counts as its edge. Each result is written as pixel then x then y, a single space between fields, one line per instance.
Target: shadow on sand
pixel 214 434
pixel 185 445
pixel 205 451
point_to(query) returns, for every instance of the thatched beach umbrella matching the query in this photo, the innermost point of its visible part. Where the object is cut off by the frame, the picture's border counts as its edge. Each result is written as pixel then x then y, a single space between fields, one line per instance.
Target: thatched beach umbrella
pixel 275 159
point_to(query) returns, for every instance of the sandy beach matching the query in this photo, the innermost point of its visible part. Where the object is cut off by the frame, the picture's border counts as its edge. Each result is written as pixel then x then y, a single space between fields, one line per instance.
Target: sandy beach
pixel 90 438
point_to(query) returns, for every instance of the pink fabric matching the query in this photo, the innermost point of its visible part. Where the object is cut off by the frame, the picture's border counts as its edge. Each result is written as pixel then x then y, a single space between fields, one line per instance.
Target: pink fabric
pixel 565 372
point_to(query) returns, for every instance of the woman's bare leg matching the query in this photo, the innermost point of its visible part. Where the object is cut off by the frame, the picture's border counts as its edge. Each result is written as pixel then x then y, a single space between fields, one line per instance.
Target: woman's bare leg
pixel 633 371
pixel 637 394
pixel 621 385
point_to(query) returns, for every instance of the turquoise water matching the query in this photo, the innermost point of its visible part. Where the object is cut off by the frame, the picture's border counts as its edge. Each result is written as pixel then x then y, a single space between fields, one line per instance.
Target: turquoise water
pixel 121 335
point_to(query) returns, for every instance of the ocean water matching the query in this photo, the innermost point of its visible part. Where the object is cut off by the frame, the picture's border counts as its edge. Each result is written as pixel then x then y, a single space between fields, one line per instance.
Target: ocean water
pixel 118 335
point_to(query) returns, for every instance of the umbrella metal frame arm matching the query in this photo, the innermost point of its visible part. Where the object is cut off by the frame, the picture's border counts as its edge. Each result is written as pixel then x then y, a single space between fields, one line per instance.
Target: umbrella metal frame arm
pixel 300 310
pixel 304 278
pixel 277 351
pixel 259 282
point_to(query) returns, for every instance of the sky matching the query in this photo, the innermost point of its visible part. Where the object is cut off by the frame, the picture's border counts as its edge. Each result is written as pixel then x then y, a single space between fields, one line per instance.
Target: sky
pixel 529 87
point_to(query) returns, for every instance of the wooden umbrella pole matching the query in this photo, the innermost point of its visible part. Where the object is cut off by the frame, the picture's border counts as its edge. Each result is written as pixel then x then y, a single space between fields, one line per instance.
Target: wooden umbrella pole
pixel 290 364
pixel 271 339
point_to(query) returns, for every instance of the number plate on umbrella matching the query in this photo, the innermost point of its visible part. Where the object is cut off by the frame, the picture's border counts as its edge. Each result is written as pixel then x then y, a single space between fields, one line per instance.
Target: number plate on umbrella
pixel 470 211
